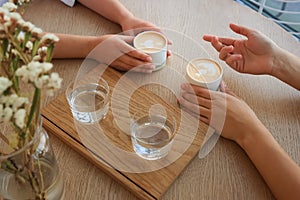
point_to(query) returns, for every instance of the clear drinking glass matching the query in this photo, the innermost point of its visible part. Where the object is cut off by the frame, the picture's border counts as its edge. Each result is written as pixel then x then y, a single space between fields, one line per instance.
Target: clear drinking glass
pixel 89 102
pixel 152 135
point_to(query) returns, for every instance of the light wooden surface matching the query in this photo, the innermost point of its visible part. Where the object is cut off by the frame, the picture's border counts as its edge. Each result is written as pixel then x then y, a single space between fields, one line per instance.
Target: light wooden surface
pixel 226 173
pixel 110 147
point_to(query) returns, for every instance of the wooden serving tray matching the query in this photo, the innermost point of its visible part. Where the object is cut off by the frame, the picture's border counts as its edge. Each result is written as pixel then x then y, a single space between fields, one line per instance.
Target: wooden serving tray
pixel 148 184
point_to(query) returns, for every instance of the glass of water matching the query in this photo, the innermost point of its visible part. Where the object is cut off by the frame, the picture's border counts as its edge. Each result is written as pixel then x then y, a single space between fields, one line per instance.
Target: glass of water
pixel 152 135
pixel 89 102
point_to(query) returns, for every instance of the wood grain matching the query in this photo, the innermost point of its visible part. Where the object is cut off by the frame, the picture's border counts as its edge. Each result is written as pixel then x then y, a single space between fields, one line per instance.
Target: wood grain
pixel 226 173
pixel 141 182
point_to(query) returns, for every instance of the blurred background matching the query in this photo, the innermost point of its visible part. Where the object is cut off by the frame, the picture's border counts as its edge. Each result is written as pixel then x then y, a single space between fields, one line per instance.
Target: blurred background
pixel 284 12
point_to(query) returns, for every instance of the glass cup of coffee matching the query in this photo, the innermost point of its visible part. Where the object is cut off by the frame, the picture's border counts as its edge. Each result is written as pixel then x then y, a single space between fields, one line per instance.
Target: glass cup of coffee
pixel 205 73
pixel 88 102
pixel 152 134
pixel 154 44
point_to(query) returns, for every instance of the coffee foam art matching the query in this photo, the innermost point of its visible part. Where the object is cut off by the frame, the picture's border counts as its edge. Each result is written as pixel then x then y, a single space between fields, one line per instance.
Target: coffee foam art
pixel 150 42
pixel 204 70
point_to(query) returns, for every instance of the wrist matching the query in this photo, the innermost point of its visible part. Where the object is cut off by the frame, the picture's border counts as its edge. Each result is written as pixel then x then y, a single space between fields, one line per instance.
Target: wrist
pixel 251 136
pixel 126 21
pixel 279 61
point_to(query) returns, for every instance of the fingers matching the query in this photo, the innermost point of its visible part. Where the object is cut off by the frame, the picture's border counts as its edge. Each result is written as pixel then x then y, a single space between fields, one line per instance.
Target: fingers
pixel 196 90
pixel 224 88
pixel 240 29
pixel 225 51
pixel 218 42
pixel 194 108
pixel 196 99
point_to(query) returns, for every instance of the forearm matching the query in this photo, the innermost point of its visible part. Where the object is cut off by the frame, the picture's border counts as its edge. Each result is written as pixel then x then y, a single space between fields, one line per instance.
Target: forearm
pixel 110 9
pixel 279 171
pixel 287 68
pixel 75 46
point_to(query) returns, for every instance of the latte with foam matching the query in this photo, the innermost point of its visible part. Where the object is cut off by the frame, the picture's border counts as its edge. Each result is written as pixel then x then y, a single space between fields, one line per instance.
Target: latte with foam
pixel 150 42
pixel 204 73
pixel 204 70
pixel 155 45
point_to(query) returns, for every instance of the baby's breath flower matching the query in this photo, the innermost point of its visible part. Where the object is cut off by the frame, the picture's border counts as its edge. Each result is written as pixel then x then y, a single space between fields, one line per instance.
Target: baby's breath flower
pixel 36 31
pixel 10 100
pixel 15 52
pixel 19 103
pixel 29 45
pixel 49 38
pixel 20 118
pixel 15 16
pixel 53 84
pixel 55 81
pixel 10 6
pixel 46 66
pixel 42 50
pixel 27 26
pixel 37 58
pixel 41 81
pixel 3 11
pixel 23 73
pixel 5 83
pixel 21 36
pixel 7 114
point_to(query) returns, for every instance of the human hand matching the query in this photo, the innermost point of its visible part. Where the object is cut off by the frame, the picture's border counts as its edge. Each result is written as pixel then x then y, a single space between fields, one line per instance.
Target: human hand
pixel 138 25
pixel 224 111
pixel 255 54
pixel 116 51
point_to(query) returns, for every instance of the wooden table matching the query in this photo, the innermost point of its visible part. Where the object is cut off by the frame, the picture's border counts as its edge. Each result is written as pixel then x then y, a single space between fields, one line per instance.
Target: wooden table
pixel 227 172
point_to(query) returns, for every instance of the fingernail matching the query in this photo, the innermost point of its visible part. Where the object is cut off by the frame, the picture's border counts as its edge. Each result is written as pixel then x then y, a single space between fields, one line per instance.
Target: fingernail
pixel 148 59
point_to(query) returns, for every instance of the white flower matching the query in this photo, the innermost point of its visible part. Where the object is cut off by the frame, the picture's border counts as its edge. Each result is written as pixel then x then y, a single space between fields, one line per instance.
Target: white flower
pixel 42 50
pixel 10 6
pixel 15 16
pixel 21 36
pixel 36 58
pixel 5 83
pixel 28 26
pixel 54 81
pixel 10 100
pixel 7 114
pixel 20 118
pixel 46 66
pixel 19 102
pixel 49 36
pixel 36 31
pixel 23 73
pixel 41 81
pixel 15 52
pixel 4 11
pixel 29 45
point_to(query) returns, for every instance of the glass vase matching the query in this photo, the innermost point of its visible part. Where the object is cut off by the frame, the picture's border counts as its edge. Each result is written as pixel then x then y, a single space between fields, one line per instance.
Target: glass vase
pixel 32 171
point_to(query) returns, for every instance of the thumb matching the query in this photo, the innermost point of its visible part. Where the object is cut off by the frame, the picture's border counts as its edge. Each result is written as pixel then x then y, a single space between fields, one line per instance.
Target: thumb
pixel 126 38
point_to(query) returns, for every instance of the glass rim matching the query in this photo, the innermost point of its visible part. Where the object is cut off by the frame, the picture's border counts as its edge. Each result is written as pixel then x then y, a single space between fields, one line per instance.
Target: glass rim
pixel 169 116
pixel 105 86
